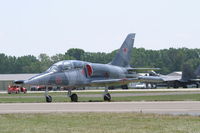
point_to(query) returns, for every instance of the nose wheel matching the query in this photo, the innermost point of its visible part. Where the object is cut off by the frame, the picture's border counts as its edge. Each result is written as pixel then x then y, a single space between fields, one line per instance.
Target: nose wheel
pixel 107 97
pixel 48 99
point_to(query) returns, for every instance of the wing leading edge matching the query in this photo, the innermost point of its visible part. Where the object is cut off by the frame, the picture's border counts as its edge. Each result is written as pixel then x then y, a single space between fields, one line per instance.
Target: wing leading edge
pixel 112 82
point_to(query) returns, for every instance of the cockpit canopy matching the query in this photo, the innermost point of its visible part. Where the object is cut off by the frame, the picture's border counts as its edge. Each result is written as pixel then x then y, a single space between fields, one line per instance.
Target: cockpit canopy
pixel 66 65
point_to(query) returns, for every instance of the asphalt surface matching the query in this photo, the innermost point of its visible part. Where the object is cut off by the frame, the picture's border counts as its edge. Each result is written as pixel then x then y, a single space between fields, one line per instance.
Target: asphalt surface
pixel 175 107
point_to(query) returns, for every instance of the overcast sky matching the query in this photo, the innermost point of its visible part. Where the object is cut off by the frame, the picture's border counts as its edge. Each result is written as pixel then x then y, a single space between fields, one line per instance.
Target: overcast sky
pixel 54 26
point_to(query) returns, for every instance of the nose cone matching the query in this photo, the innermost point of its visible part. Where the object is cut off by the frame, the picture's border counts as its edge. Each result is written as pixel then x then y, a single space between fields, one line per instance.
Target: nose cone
pixel 31 82
pixel 19 81
pixel 47 79
pixel 41 79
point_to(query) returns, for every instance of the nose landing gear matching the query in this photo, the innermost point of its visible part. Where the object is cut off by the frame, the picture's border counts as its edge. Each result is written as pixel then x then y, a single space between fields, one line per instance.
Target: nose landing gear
pixel 107 96
pixel 48 97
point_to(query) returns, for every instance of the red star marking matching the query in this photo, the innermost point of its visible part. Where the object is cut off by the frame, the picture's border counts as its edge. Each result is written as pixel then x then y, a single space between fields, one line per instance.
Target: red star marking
pixel 83 71
pixel 125 50
pixel 58 80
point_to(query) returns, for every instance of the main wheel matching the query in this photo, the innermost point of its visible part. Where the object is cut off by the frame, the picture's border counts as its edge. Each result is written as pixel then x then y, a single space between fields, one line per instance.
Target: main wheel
pixel 107 97
pixel 197 85
pixel 124 86
pixel 48 99
pixel 74 98
pixel 185 86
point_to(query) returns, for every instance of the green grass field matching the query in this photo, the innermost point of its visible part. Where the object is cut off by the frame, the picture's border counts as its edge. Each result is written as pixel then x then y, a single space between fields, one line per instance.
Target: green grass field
pixel 60 97
pixel 98 123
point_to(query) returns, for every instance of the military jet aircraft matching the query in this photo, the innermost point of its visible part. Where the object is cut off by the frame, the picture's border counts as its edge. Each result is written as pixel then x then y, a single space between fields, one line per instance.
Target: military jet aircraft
pixel 188 77
pixel 74 74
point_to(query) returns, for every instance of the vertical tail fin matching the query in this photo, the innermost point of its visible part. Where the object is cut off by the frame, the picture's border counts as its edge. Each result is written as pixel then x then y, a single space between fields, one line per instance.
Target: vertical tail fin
pixel 188 72
pixel 123 56
pixel 197 72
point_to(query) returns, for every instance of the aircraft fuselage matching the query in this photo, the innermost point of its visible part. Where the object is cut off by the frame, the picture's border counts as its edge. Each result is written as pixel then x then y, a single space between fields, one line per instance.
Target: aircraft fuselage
pixel 79 74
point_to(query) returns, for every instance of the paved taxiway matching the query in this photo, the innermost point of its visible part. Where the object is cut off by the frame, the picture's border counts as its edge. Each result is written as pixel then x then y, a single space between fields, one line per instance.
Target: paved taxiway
pixel 167 107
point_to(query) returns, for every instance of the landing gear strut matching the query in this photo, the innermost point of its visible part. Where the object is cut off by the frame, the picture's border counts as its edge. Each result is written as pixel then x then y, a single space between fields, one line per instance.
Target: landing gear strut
pixel 107 96
pixel 74 97
pixel 48 97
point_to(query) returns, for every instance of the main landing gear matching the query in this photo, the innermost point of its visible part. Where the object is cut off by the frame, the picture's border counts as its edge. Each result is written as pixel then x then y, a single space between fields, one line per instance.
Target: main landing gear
pixel 107 96
pixel 74 96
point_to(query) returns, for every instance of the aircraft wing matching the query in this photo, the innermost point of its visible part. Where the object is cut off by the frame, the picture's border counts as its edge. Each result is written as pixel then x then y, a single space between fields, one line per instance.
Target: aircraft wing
pixel 113 82
pixel 152 79
pixel 141 69
pixel 195 80
pixel 170 78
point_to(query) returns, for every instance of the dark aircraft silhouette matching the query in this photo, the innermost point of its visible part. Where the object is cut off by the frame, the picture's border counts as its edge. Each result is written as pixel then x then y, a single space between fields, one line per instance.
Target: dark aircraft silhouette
pixel 188 77
pixel 74 74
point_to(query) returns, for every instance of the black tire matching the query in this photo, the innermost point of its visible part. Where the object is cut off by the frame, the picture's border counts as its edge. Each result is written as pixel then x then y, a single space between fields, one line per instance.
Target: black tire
pixel 197 85
pixel 175 86
pixel 111 88
pixel 124 87
pixel 185 86
pixel 74 98
pixel 17 92
pixel 107 97
pixel 48 99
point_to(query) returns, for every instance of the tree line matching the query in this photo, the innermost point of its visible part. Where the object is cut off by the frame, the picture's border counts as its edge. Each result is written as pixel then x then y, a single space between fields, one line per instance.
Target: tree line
pixel 168 60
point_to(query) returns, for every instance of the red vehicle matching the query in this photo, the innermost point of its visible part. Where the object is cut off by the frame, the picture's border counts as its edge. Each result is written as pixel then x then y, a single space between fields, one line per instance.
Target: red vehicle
pixel 16 89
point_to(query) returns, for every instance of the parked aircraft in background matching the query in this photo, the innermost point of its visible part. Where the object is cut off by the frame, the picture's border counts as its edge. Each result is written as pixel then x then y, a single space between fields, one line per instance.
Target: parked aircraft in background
pixel 74 74
pixel 188 77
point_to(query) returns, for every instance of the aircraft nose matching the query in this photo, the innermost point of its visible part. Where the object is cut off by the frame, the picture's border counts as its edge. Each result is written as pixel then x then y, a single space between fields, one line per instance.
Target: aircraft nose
pixel 19 81
pixel 28 82
pixel 41 79
pixel 34 81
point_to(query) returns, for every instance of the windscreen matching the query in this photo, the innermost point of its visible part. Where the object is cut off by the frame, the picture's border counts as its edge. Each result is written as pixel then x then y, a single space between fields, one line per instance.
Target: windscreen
pixel 66 65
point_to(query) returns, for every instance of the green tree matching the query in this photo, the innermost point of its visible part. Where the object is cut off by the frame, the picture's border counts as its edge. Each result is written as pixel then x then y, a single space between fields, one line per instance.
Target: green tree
pixel 75 53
